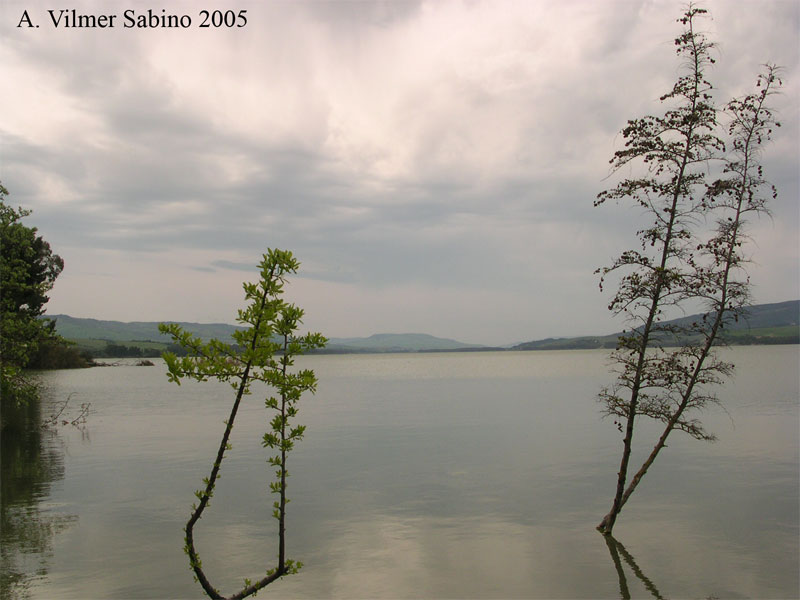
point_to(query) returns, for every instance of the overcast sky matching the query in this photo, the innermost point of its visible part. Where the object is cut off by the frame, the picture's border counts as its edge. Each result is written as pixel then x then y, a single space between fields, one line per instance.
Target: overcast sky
pixel 431 164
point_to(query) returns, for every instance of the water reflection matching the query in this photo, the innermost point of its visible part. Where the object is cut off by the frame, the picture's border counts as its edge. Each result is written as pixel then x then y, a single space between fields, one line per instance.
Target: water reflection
pixel 31 459
pixel 616 549
pixel 472 485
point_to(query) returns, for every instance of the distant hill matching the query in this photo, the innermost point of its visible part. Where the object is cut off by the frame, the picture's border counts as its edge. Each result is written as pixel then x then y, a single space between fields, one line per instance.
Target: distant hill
pixel 396 342
pixel 117 331
pixel 777 323
pixel 765 324
pixel 760 316
pixel 91 333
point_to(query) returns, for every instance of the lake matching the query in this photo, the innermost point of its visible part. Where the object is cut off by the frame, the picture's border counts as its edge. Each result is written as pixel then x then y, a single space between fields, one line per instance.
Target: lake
pixel 453 475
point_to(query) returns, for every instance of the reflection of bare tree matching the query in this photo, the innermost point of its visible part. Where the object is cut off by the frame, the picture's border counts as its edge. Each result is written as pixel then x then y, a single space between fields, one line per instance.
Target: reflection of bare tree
pixel 61 416
pixel 616 549
pixel 30 461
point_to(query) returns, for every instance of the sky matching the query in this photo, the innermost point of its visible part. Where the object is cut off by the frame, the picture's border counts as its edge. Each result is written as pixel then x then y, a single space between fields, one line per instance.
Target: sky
pixel 432 164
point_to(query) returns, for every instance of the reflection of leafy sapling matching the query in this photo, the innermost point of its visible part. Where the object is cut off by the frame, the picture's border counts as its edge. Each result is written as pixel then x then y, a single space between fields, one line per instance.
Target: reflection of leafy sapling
pixel 271 324
pixel 682 261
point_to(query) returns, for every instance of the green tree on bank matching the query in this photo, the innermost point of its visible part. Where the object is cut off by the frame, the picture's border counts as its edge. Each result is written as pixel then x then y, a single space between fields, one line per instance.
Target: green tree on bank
pixel 28 269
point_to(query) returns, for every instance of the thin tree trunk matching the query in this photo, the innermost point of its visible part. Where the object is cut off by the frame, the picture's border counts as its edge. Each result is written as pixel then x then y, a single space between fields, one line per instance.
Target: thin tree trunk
pixel 606 526
pixel 282 520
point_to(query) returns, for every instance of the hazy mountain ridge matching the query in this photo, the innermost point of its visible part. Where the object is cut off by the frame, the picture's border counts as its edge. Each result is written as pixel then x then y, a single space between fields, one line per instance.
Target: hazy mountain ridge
pixel 400 342
pixel 765 323
pixel 77 329
pixel 74 328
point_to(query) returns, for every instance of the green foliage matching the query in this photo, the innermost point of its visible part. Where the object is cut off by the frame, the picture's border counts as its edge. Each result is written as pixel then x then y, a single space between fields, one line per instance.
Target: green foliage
pixel 29 265
pixel 103 348
pixel 28 269
pixel 57 353
pixel 142 350
pixel 681 262
pixel 264 351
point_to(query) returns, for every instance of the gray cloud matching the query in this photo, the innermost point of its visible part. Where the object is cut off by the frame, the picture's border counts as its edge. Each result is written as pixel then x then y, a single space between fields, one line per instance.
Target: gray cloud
pixel 440 150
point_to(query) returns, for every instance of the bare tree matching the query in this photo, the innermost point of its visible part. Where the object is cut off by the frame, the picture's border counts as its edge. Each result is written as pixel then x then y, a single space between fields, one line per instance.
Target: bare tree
pixel 681 263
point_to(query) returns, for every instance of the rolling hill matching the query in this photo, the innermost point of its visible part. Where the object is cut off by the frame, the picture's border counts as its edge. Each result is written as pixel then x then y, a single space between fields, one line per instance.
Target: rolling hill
pixel 117 331
pixel 396 342
pixel 92 333
pixel 777 323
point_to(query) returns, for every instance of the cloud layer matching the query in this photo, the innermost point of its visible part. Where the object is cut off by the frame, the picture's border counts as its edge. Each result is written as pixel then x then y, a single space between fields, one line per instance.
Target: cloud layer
pixel 432 164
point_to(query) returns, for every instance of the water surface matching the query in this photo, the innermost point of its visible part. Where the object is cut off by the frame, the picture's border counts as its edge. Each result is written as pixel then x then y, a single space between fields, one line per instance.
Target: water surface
pixel 476 475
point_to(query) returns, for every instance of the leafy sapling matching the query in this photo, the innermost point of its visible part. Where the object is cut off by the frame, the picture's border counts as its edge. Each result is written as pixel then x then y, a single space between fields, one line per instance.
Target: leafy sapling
pixel 264 351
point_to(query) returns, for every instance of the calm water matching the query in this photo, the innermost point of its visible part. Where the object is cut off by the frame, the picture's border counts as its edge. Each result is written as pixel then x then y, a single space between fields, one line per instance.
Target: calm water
pixel 434 475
